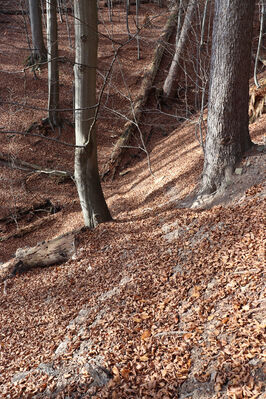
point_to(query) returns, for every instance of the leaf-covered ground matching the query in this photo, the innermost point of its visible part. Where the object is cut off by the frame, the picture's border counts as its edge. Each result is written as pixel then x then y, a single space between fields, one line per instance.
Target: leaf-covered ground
pixel 163 302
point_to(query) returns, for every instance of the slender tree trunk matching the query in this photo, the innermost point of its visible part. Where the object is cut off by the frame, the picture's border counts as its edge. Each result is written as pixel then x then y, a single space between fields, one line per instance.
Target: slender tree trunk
pixel 169 84
pixel 39 52
pixel 52 57
pixel 87 178
pixel 127 14
pixel 227 127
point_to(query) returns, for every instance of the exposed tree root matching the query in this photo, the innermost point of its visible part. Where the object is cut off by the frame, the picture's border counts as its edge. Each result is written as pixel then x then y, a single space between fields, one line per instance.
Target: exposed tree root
pixel 139 104
pixel 257 101
pixel 36 60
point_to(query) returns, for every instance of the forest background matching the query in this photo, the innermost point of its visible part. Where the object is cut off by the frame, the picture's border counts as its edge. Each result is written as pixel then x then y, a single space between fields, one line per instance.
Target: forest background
pixel 160 271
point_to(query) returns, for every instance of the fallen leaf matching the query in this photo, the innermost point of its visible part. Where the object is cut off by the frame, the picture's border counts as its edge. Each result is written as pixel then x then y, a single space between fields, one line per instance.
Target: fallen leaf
pixel 144 358
pixel 125 373
pixel 137 319
pixel 115 370
pixel 146 334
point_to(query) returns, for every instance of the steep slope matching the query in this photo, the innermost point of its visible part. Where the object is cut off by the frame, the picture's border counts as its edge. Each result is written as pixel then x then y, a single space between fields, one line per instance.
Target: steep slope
pixel 164 301
pixel 167 300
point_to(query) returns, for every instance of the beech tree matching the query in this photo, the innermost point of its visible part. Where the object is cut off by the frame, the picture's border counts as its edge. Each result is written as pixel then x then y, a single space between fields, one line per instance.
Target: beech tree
pixel 169 84
pixel 227 126
pixel 39 52
pixel 52 58
pixel 87 178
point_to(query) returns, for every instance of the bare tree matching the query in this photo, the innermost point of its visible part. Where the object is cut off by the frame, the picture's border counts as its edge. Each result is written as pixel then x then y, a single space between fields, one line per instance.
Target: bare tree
pixel 39 52
pixel 227 127
pixel 87 178
pixel 169 84
pixel 52 57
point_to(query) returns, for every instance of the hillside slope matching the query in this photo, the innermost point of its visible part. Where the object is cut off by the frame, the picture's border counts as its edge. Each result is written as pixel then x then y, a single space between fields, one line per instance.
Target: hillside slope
pixel 167 300
pixel 164 301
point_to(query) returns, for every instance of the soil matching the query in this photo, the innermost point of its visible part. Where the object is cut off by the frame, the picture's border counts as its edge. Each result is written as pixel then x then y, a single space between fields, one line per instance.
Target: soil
pixel 165 301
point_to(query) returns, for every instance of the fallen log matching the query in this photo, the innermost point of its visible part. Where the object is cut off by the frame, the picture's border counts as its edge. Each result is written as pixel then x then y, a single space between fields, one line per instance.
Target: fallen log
pixel 141 101
pixel 46 253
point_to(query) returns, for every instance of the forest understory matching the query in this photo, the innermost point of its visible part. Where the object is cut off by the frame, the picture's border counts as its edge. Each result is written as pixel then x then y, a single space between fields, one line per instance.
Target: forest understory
pixel 165 301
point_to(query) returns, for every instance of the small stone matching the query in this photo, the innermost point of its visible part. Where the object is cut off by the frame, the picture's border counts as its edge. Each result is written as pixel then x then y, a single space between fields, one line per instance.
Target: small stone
pixel 238 171
pixel 260 148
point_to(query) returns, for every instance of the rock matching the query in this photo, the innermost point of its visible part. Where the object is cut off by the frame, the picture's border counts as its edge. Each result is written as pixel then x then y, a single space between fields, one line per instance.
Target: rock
pixel 238 171
pixel 19 376
pixel 47 368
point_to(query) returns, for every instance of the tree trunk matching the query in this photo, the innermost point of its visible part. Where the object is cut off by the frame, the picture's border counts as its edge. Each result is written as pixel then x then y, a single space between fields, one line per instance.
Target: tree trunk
pixel 92 201
pixel 169 84
pixel 39 53
pixel 52 57
pixel 227 127
pixel 141 101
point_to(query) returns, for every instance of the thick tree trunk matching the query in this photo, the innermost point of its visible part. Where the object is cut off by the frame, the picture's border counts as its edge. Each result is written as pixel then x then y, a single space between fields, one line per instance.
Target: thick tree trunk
pixel 52 57
pixel 169 84
pixel 39 52
pixel 227 127
pixel 87 178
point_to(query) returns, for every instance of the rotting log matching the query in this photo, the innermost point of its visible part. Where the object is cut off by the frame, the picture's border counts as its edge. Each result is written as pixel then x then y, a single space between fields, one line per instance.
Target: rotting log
pixel 46 253
pixel 141 101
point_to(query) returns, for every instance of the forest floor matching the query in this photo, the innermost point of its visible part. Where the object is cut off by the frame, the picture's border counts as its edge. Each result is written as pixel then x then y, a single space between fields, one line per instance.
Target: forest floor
pixel 165 301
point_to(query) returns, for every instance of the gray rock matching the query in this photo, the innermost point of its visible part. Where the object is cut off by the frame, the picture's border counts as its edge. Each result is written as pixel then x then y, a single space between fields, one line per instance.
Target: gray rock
pixel 47 368
pixel 19 376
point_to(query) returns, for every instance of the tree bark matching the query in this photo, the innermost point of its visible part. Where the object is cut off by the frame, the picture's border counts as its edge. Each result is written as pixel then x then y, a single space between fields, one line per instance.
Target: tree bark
pixel 87 178
pixel 52 58
pixel 39 53
pixel 227 126
pixel 169 84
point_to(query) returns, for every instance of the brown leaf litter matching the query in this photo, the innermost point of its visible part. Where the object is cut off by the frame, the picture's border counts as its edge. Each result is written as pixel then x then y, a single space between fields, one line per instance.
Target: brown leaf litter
pixel 162 302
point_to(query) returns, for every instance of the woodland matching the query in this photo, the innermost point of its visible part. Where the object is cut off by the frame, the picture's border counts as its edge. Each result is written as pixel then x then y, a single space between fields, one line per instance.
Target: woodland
pixel 132 194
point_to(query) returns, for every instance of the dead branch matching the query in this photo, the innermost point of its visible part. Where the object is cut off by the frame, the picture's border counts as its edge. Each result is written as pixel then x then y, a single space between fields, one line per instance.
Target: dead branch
pixel 27 229
pixel 19 164
pixel 45 206
pixel 141 101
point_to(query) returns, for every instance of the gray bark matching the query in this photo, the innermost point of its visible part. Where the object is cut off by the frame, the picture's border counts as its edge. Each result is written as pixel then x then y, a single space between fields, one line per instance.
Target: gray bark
pixel 169 84
pixel 52 58
pixel 39 52
pixel 227 127
pixel 87 178
pixel 262 16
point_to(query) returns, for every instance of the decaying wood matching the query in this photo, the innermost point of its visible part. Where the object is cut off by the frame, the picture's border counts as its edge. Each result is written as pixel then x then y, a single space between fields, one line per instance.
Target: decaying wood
pixel 19 164
pixel 27 229
pixel 46 207
pixel 46 253
pixel 141 101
